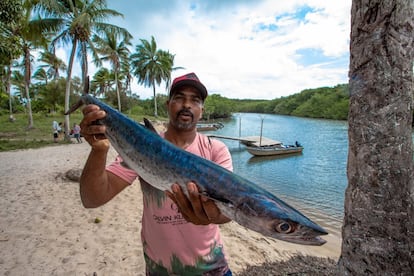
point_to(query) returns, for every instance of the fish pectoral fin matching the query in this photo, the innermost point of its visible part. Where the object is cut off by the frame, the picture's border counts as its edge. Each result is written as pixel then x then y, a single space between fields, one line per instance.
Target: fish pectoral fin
pixel 149 125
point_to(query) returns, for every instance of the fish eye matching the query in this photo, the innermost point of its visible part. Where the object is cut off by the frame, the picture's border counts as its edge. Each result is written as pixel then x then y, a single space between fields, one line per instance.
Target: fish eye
pixel 284 228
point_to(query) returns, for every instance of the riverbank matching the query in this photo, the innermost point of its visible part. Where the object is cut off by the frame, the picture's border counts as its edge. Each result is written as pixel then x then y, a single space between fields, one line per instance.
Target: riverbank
pixel 44 229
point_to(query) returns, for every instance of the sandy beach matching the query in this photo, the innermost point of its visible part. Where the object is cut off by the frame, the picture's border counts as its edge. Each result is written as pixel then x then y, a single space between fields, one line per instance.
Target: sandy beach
pixel 45 230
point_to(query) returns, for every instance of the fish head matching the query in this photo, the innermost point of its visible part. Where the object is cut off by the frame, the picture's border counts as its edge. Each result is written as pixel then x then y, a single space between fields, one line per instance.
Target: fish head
pixel 274 218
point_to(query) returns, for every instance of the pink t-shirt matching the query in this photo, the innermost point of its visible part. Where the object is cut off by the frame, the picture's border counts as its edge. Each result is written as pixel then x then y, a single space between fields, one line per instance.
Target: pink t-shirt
pixel 171 244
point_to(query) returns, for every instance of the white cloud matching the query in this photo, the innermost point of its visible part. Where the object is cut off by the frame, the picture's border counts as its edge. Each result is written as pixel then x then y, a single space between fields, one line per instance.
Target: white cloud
pixel 247 49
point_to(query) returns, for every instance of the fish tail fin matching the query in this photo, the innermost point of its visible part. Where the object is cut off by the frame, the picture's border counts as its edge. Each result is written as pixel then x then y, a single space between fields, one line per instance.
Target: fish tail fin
pixel 81 101
pixel 149 125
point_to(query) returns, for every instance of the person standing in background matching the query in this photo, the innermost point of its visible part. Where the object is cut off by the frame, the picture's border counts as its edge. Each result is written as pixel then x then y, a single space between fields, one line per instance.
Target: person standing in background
pixel 56 130
pixel 76 133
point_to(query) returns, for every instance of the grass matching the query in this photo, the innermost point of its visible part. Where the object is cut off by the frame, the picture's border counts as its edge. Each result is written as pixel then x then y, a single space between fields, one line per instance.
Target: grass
pixel 15 135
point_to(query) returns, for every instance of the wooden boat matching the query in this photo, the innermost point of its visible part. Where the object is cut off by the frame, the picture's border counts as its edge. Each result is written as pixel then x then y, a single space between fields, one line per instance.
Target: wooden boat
pixel 209 126
pixel 277 149
pixel 267 147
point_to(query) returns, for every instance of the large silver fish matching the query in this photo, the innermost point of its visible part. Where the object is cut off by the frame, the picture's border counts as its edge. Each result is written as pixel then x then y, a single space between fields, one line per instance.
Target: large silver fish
pixel 161 163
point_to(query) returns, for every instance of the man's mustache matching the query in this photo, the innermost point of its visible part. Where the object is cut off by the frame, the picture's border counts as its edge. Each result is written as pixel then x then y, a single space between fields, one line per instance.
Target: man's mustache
pixel 185 112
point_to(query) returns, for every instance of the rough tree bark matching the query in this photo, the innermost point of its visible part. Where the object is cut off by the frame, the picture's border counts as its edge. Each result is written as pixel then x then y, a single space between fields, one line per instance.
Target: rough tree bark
pixel 378 230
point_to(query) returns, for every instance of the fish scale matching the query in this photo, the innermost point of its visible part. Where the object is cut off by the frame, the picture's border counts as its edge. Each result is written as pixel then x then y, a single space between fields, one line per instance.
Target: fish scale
pixel 161 163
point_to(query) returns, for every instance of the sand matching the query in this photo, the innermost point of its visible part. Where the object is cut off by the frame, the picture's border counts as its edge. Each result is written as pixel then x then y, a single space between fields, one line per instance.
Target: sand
pixel 45 230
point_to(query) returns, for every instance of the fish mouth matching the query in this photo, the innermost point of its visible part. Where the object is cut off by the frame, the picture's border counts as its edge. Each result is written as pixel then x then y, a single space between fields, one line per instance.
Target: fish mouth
pixel 315 241
pixel 307 237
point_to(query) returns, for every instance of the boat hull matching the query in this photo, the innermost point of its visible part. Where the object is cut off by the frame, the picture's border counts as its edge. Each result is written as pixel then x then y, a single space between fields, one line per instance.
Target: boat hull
pixel 209 126
pixel 268 151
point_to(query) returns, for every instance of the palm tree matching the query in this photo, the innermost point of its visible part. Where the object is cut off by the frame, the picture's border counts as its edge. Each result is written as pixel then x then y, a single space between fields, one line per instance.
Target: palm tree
pixel 114 51
pixel 17 79
pixel 53 64
pixel 41 75
pixel 378 230
pixel 79 21
pixel 152 66
pixel 10 48
pixel 6 72
pixel 30 28
pixel 10 11
pixel 101 82
pixel 126 74
pixel 51 93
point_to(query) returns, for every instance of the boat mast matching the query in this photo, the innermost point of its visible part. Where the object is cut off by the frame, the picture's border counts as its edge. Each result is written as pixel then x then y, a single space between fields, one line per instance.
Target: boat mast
pixel 261 131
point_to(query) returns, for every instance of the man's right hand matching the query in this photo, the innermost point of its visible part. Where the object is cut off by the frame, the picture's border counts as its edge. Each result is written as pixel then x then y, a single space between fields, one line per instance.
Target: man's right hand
pixel 94 133
pixel 97 186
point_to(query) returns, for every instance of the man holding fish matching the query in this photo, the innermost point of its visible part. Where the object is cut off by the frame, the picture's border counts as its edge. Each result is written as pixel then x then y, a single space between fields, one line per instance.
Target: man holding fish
pixel 180 233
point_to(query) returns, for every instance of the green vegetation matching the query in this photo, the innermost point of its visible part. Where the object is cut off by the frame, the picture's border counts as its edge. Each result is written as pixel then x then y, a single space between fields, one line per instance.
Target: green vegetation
pixel 15 134
pixel 81 27
pixel 18 128
pixel 217 106
pixel 33 93
pixel 324 102
pixel 328 103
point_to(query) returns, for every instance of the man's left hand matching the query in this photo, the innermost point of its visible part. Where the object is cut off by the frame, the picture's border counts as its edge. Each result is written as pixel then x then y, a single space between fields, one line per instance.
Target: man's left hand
pixel 196 208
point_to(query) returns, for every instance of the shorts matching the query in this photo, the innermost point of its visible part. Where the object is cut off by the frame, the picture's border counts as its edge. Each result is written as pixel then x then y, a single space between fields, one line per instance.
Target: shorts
pixel 55 135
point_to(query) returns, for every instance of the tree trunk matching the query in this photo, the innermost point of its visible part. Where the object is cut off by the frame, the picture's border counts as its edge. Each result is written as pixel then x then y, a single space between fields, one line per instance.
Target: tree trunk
pixel 84 62
pixel 378 230
pixel 8 90
pixel 27 74
pixel 155 100
pixel 118 95
pixel 67 91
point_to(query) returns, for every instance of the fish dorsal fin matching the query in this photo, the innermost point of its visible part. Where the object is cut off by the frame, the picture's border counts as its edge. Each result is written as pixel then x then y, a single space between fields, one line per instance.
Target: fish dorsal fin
pixel 149 126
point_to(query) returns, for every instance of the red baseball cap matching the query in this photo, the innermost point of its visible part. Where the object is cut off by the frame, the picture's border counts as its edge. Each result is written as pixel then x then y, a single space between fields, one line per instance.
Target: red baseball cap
pixel 189 79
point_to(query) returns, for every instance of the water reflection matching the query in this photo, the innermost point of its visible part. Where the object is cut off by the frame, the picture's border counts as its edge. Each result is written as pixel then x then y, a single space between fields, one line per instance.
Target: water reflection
pixel 315 178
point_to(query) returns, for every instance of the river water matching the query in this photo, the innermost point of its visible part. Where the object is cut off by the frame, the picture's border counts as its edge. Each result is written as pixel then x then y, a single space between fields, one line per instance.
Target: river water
pixel 315 180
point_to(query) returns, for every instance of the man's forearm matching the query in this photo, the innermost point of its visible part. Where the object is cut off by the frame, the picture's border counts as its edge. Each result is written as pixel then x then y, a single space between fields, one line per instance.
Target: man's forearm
pixel 94 184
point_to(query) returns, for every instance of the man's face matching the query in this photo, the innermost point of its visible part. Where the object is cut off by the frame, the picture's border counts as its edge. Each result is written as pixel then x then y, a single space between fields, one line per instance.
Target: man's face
pixel 185 108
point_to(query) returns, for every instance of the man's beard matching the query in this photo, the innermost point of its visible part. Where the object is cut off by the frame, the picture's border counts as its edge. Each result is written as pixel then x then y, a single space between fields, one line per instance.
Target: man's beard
pixel 184 125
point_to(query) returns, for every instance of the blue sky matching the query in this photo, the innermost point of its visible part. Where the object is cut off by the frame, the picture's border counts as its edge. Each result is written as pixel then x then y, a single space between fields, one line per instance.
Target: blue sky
pixel 262 49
